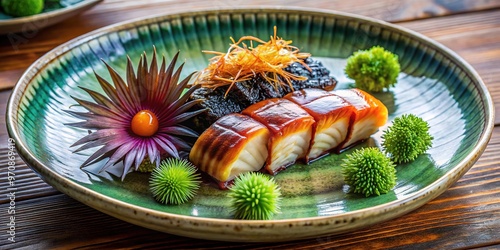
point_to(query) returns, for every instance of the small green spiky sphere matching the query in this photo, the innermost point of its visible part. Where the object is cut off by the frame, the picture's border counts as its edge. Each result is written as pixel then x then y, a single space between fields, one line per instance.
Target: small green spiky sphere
pixel 407 138
pixel 254 196
pixel 175 181
pixel 146 166
pixel 368 171
pixel 373 69
pixel 20 8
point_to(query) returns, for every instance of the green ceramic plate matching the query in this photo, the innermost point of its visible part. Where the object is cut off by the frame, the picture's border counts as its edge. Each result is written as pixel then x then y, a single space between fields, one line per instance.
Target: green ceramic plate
pixel 52 14
pixel 435 84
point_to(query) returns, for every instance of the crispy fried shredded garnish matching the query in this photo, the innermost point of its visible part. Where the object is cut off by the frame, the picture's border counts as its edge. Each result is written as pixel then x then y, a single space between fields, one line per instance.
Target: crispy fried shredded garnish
pixel 241 63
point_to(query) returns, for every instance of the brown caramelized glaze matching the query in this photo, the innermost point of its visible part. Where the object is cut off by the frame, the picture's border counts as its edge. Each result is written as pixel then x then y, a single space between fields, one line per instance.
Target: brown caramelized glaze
pixel 369 114
pixel 329 111
pixel 277 132
pixel 221 144
pixel 288 124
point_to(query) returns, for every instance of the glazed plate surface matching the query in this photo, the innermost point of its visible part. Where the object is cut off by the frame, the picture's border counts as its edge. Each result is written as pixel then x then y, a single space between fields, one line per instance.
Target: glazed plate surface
pixel 434 84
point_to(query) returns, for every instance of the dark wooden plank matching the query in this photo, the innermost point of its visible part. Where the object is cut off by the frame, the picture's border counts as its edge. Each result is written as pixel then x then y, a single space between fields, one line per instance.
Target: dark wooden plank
pixel 465 216
pixel 473 36
pixel 52 220
pixel 8 78
pixel 18 51
pixel 28 184
pixel 4 96
pixel 447 30
pixel 388 10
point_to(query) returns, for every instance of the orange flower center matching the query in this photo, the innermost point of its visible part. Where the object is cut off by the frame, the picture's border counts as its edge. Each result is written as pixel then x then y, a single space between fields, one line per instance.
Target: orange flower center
pixel 144 123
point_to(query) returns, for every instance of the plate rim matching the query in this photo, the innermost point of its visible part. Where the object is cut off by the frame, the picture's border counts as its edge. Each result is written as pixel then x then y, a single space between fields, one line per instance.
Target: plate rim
pixel 68 187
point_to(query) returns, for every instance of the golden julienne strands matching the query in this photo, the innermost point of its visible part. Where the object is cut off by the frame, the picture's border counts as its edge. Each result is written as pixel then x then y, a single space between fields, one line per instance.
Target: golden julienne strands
pixel 245 75
pixel 241 63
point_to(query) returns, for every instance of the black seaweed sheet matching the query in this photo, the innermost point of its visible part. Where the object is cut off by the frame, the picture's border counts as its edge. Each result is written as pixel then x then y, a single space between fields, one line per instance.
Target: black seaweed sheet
pixel 246 93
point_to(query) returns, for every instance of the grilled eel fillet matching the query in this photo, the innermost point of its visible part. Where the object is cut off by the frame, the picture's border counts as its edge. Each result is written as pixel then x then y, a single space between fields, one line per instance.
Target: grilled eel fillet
pixel 246 93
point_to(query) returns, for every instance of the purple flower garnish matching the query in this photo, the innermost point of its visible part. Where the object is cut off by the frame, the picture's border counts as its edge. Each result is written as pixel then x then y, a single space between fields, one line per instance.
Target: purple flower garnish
pixel 138 117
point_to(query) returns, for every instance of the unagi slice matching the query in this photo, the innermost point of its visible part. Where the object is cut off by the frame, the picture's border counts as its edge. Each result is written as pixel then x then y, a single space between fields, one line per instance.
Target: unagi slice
pixel 332 115
pixel 218 102
pixel 290 129
pixel 368 115
pixel 234 144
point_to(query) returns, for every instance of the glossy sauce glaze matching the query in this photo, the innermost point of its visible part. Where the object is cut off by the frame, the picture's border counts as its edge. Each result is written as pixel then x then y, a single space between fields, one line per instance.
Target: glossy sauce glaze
pixel 332 115
pixel 233 144
pixel 291 130
pixel 369 114
pixel 275 133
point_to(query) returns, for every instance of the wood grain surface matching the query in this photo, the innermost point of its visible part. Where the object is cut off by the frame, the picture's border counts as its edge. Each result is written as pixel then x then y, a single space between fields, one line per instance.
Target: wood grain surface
pixel 465 216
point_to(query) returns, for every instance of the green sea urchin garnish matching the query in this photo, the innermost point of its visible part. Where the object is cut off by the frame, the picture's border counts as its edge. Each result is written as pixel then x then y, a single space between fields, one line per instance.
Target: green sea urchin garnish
pixel 407 138
pixel 368 171
pixel 20 8
pixel 254 196
pixel 373 69
pixel 175 181
pixel 139 117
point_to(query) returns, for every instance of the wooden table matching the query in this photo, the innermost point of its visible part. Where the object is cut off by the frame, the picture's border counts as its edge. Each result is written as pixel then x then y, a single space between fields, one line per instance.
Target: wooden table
pixel 465 216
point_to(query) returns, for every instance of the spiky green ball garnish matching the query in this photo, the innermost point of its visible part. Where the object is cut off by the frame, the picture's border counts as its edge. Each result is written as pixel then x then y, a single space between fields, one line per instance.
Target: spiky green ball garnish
pixel 146 166
pixel 254 196
pixel 20 8
pixel 373 69
pixel 407 138
pixel 368 171
pixel 175 181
